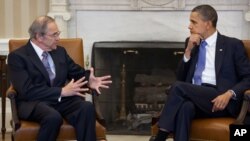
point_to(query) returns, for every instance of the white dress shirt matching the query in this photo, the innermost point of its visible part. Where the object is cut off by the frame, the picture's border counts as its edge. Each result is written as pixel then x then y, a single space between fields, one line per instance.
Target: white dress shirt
pixel 39 52
pixel 208 74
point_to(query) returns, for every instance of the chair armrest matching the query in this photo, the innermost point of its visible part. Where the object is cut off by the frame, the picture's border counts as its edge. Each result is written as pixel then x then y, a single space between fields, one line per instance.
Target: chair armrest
pixel 244 108
pixel 11 94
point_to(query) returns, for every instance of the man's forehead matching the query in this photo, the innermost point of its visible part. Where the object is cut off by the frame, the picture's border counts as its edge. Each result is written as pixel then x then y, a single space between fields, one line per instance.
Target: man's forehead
pixel 52 26
pixel 196 16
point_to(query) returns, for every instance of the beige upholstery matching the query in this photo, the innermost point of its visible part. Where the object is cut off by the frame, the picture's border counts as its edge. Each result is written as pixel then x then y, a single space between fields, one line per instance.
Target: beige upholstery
pixel 213 129
pixel 27 131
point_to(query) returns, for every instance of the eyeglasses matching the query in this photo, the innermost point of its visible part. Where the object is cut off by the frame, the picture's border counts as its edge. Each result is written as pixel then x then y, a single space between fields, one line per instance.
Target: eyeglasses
pixel 55 34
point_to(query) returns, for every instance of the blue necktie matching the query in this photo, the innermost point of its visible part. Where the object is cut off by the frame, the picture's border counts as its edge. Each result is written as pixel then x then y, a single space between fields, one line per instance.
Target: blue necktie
pixel 200 66
pixel 47 66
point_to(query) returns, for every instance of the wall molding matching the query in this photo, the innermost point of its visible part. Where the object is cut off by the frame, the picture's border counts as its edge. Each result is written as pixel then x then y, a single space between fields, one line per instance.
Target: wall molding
pixel 155 4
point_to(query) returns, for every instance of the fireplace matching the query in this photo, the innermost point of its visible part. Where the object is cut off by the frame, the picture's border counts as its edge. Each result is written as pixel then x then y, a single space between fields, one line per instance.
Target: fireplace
pixel 141 72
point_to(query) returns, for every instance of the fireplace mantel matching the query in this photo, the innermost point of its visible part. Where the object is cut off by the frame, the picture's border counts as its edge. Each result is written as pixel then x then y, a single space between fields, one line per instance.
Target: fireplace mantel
pixel 142 20
pixel 141 5
pixel 100 20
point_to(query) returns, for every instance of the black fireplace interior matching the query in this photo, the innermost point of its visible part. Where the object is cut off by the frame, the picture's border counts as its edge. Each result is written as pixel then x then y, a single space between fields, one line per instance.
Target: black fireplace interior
pixel 141 72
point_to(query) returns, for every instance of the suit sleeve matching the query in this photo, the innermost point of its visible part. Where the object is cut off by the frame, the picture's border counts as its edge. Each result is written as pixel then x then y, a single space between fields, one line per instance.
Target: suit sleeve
pixel 21 79
pixel 242 67
pixel 183 67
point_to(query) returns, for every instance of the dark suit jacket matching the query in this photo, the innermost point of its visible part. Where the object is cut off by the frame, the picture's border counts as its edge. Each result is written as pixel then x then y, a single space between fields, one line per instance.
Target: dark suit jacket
pixel 232 68
pixel 31 80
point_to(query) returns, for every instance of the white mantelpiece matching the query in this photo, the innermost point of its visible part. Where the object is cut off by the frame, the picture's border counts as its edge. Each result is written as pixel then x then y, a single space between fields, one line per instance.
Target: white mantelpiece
pixel 167 20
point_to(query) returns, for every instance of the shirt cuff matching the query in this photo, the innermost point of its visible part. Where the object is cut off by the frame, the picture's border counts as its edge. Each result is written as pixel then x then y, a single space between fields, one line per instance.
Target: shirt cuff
pixel 59 99
pixel 185 59
pixel 234 97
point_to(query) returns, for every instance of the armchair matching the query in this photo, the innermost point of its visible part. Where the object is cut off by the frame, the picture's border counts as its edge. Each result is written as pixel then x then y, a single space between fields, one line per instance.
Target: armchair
pixel 216 129
pixel 26 130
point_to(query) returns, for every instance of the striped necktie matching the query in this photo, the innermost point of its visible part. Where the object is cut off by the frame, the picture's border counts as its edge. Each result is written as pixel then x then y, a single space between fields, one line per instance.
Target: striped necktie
pixel 200 66
pixel 47 66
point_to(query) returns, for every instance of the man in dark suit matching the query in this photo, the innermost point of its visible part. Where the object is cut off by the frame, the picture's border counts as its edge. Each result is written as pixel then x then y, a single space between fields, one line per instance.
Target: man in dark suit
pixel 50 85
pixel 212 77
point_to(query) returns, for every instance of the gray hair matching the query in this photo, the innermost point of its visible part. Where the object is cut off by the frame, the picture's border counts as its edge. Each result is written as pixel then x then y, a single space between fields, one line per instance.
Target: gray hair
pixel 39 26
pixel 208 13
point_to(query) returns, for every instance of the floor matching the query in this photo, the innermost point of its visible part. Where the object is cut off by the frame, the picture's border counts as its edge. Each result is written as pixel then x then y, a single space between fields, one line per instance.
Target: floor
pixel 109 137
pixel 127 138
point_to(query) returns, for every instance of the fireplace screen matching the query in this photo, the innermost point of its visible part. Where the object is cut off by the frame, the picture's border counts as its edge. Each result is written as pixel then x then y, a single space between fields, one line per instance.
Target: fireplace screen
pixel 141 72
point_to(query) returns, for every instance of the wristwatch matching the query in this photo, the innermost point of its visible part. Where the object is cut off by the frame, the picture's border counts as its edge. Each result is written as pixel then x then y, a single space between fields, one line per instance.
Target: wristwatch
pixel 234 94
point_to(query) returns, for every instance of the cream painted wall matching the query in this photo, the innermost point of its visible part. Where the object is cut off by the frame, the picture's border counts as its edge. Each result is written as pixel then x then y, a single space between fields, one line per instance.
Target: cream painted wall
pixel 17 15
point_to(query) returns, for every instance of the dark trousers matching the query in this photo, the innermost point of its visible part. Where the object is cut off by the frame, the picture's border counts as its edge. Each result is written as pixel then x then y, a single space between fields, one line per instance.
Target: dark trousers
pixel 184 102
pixel 79 113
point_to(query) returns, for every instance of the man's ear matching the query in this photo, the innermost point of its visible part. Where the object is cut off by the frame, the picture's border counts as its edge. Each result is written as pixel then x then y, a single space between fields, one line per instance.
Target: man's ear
pixel 209 24
pixel 39 37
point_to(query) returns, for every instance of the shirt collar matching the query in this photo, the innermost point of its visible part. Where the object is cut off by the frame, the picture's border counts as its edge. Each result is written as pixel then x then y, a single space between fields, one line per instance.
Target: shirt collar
pixel 212 39
pixel 37 49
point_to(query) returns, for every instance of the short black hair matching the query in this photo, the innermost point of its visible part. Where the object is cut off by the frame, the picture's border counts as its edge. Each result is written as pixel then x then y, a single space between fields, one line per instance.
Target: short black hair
pixel 207 12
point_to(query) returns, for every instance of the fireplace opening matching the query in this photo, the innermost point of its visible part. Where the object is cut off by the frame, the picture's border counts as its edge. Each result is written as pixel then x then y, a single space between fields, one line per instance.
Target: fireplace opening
pixel 141 72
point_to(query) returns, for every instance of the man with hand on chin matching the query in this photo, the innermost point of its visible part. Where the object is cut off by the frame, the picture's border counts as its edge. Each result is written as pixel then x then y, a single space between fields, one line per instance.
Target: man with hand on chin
pixel 212 77
pixel 50 84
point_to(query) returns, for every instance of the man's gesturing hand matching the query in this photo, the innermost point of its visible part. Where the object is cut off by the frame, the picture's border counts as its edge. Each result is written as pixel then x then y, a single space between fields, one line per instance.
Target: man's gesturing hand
pixel 98 82
pixel 74 88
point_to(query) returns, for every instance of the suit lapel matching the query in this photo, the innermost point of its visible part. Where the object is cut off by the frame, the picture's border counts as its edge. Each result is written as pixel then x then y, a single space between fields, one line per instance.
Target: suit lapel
pixel 56 59
pixel 219 53
pixel 31 53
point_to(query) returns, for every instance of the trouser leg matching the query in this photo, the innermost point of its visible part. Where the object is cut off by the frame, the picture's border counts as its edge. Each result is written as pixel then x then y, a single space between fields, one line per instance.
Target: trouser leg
pixel 183 121
pixel 81 115
pixel 50 122
pixel 181 93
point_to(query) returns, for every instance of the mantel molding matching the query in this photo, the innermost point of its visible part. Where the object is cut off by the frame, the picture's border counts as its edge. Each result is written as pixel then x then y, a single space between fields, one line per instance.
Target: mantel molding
pixel 161 4
pixel 69 15
pixel 158 2
pixel 141 5
pixel 127 5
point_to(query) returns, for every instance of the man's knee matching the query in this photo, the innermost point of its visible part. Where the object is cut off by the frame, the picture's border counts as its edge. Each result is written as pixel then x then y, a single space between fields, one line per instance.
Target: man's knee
pixel 87 106
pixel 177 86
pixel 188 108
pixel 188 105
pixel 53 118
